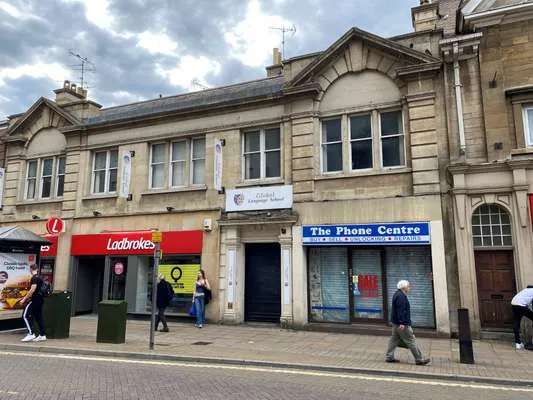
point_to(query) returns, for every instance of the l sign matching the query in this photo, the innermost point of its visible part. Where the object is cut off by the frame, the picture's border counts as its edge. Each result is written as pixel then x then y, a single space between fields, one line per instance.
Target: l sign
pixel 55 225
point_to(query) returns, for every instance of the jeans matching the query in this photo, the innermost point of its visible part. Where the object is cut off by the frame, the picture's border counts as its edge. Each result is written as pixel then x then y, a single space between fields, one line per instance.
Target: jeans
pixel 518 313
pixel 34 311
pixel 199 305
pixel 161 317
pixel 406 336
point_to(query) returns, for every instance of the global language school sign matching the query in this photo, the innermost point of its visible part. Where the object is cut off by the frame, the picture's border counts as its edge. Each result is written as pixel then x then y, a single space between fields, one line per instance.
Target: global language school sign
pixel 259 198
pixel 368 234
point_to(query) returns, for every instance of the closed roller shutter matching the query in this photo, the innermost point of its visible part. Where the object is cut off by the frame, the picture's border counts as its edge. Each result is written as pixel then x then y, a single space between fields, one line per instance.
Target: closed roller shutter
pixel 414 264
pixel 367 285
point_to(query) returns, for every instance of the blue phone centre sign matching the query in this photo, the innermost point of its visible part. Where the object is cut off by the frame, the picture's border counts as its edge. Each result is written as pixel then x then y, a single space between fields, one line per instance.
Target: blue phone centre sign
pixel 368 234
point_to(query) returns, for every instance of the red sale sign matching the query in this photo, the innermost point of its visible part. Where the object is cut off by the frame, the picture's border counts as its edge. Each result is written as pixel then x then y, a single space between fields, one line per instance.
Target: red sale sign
pixel 140 242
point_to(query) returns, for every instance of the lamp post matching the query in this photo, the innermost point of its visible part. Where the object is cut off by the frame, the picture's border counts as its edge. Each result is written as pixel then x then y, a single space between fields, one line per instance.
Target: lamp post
pixel 157 238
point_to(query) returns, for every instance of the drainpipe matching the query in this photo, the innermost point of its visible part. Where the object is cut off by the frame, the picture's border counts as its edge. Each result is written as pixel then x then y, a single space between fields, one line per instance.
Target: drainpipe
pixel 459 99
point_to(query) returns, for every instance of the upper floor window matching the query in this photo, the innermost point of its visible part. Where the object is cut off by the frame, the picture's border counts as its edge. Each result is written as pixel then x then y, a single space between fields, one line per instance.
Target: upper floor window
pixel 104 174
pixel 528 124
pixel 177 164
pixel 372 138
pixel 45 178
pixel 262 153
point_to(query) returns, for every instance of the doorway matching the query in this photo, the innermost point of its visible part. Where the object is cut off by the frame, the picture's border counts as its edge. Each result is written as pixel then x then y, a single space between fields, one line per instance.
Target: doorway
pixel 496 287
pixel 89 284
pixel 262 291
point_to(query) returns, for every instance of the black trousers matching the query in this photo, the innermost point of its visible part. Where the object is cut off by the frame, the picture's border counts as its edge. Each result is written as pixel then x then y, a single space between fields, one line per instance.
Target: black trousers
pixel 34 311
pixel 161 317
pixel 518 313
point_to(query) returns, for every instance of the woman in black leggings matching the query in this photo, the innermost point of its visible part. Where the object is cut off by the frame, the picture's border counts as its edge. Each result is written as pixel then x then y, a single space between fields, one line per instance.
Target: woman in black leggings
pixel 520 304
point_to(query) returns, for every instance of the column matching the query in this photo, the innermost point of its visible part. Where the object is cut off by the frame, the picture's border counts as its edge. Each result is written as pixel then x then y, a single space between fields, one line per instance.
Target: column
pixel 440 286
pixel 285 241
pixel 233 243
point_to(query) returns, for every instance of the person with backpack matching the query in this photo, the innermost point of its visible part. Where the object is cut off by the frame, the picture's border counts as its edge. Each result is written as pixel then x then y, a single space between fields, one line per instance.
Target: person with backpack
pixel 165 294
pixel 33 310
pixel 201 296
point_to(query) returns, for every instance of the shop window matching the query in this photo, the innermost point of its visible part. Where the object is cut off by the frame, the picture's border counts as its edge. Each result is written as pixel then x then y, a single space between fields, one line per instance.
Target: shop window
pixel 491 226
pixel 104 176
pixel 262 153
pixel 332 145
pixel 392 139
pixel 177 164
pixel 528 124
pixel 361 141
pixel 45 178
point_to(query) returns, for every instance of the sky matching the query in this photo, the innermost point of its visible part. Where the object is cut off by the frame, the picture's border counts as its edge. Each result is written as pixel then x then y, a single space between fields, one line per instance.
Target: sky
pixel 141 49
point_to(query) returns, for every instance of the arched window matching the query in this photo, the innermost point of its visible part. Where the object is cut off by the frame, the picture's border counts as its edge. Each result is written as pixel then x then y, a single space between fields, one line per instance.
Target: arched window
pixel 491 226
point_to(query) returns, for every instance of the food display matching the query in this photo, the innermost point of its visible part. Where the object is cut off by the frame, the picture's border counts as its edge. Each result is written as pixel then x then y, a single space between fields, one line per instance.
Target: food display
pixel 14 279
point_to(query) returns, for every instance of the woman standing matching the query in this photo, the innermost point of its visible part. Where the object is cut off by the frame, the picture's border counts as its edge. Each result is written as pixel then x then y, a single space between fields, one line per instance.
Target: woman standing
pixel 202 285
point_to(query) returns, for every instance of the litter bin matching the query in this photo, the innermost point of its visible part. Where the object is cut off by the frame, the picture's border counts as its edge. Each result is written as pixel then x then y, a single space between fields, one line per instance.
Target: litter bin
pixel 56 314
pixel 111 321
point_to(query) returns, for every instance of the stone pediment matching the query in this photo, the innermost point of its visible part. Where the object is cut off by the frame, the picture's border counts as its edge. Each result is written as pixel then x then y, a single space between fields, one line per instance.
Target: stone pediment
pixel 358 50
pixel 42 114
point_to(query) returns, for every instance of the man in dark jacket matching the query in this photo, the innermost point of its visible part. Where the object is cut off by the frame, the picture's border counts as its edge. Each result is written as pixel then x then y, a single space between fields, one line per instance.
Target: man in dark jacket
pixel 401 326
pixel 164 296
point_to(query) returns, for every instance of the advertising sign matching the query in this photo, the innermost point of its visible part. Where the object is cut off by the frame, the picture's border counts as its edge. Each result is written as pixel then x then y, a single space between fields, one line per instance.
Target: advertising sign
pixel 50 250
pixel 411 233
pixel 2 179
pixel 14 279
pixel 55 225
pixel 181 277
pixel 217 176
pixel 125 177
pixel 136 243
pixel 259 198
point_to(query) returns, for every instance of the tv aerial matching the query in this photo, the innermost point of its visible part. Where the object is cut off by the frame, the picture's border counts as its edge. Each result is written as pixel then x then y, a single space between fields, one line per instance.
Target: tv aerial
pixel 284 30
pixel 84 67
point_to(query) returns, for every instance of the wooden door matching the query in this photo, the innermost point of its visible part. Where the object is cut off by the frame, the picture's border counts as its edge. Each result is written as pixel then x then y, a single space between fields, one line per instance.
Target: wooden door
pixel 496 287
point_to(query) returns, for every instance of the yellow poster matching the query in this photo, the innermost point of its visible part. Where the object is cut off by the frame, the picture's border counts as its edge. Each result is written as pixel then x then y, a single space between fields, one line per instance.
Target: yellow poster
pixel 181 277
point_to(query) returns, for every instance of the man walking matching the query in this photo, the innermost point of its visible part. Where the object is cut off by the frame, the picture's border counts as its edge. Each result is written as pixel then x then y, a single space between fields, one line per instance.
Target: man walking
pixel 34 307
pixel 164 296
pixel 401 326
pixel 520 304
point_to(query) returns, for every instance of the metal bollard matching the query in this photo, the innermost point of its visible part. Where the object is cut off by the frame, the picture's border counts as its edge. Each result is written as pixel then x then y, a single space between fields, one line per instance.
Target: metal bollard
pixel 466 351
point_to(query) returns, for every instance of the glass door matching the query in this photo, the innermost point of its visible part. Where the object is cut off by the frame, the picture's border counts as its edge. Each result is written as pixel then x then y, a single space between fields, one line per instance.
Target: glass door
pixel 117 278
pixel 366 284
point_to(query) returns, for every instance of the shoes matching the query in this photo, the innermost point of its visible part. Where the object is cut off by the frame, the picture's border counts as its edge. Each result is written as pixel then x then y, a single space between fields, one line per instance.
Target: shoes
pixel 425 361
pixel 40 338
pixel 200 326
pixel 164 330
pixel 28 338
pixel 392 360
pixel 519 346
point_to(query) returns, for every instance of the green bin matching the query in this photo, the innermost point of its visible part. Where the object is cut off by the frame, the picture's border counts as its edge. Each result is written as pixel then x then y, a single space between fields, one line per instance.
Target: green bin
pixel 111 321
pixel 56 314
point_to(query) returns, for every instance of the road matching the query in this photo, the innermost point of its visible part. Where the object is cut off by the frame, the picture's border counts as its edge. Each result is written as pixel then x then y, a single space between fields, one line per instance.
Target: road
pixel 48 376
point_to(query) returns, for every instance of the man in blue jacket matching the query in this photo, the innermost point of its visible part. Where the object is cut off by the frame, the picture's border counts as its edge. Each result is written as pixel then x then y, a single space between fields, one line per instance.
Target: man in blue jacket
pixel 401 326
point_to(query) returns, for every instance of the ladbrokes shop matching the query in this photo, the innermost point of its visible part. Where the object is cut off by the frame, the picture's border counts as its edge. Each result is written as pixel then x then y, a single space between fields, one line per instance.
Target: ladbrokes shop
pixel 353 271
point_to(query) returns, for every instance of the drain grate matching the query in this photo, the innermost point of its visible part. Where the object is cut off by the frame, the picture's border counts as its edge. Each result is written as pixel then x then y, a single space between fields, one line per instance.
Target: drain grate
pixel 201 343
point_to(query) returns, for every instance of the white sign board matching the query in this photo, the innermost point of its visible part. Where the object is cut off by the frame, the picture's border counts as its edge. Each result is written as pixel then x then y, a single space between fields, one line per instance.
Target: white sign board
pixel 125 177
pixel 286 260
pixel 2 179
pixel 14 279
pixel 217 176
pixel 259 198
pixel 231 276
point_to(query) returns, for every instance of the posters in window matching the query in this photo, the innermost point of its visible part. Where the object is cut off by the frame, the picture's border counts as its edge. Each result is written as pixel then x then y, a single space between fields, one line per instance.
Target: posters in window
pixel 14 279
pixel 181 277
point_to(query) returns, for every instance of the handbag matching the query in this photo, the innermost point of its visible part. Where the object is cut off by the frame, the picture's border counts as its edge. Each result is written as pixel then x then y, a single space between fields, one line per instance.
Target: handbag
pixel 192 310
pixel 208 295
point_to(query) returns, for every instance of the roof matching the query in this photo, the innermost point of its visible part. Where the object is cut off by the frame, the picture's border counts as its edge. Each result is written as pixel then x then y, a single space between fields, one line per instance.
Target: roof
pixel 489 5
pixel 19 234
pixel 226 95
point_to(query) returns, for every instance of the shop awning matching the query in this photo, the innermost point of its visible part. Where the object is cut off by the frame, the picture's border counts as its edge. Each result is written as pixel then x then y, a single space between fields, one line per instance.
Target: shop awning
pixel 19 235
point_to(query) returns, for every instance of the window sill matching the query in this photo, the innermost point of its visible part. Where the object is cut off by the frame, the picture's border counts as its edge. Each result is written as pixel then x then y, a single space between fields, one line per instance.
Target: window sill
pixel 522 151
pixel 198 188
pixel 261 182
pixel 351 174
pixel 37 202
pixel 100 196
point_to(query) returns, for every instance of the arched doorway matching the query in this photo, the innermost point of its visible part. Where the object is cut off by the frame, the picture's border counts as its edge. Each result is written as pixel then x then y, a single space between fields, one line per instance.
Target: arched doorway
pixel 493 251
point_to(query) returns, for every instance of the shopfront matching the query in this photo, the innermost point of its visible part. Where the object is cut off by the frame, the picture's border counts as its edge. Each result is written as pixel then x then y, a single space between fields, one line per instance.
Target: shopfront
pixel 48 258
pixel 119 265
pixel 353 271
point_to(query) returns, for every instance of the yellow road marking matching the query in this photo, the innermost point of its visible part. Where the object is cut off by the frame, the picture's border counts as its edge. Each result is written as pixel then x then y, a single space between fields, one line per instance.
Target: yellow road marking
pixel 276 370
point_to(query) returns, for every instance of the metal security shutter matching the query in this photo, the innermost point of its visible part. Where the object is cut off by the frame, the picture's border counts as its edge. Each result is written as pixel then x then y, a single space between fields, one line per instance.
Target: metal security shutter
pixel 329 284
pixel 414 264
pixel 367 303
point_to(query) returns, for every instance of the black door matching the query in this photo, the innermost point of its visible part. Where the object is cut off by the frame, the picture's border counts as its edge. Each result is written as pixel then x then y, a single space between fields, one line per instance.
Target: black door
pixel 262 289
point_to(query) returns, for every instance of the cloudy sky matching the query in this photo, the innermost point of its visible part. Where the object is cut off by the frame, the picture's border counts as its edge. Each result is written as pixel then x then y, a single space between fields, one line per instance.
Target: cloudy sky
pixel 143 48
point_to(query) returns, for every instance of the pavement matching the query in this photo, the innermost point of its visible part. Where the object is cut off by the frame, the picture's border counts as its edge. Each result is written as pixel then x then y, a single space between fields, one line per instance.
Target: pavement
pixel 270 346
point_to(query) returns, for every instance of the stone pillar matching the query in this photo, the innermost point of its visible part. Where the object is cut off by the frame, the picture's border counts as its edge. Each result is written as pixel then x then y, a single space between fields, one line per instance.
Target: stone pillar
pixel 285 241
pixel 299 279
pixel 231 302
pixel 442 309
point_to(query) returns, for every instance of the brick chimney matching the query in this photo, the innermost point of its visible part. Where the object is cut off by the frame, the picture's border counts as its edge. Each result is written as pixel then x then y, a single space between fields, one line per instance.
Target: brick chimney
pixel 276 68
pixel 426 15
pixel 73 98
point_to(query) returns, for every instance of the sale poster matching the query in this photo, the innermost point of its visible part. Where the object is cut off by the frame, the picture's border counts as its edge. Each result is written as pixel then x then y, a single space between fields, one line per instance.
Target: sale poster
pixel 14 279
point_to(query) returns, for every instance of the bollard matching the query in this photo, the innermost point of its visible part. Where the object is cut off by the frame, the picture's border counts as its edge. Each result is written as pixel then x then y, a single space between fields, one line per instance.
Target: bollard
pixel 466 351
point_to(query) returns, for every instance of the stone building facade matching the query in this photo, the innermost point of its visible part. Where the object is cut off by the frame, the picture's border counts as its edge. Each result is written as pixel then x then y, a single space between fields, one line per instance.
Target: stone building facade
pixel 305 195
